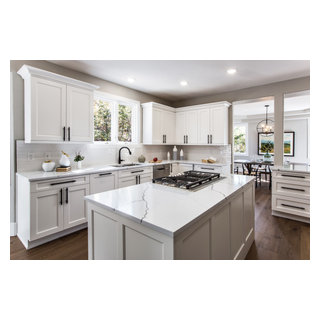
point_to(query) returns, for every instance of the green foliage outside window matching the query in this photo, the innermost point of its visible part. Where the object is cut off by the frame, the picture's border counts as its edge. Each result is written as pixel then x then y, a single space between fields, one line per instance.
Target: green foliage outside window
pixel 102 121
pixel 124 123
pixel 239 136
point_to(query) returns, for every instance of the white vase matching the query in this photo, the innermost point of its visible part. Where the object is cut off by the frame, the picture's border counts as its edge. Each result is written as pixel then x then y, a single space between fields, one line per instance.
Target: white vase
pixel 64 161
pixel 79 164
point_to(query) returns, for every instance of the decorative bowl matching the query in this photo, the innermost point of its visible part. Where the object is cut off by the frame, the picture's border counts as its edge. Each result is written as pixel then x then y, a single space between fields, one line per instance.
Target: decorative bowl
pixel 48 166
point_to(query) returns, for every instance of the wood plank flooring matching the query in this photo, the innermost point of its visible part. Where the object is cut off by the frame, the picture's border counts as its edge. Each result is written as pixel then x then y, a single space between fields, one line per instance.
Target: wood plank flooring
pixel 275 238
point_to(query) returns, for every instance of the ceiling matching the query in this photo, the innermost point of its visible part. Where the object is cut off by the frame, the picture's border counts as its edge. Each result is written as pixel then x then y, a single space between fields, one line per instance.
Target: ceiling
pixel 161 78
pixel 298 103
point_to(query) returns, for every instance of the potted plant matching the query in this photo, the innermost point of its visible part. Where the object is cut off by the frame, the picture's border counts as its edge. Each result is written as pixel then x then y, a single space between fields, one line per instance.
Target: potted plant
pixel 267 147
pixel 78 159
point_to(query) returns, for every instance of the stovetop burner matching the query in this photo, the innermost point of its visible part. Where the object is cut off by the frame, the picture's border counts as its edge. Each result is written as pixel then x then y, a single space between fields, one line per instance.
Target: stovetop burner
pixel 188 180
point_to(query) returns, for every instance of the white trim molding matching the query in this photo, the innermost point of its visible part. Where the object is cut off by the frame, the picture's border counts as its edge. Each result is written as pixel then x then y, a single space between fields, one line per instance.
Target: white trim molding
pixel 13 229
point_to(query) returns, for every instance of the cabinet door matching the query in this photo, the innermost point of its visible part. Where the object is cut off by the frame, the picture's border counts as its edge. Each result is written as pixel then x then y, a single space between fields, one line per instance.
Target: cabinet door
pixel 169 126
pixel 219 125
pixel 236 226
pixel 157 133
pixel 127 181
pixel 180 127
pixel 102 182
pixel 75 211
pixel 46 213
pixel 47 116
pixel 145 178
pixel 79 114
pixel 203 126
pixel 192 127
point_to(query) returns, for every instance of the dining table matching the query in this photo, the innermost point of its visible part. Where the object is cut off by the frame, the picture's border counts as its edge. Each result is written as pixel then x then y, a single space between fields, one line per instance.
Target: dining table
pixel 250 163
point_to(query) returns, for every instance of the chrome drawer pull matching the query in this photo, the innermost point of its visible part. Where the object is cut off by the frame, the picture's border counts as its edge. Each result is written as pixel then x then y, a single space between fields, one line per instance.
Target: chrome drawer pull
pixel 293 189
pixel 292 176
pixel 290 206
pixel 55 183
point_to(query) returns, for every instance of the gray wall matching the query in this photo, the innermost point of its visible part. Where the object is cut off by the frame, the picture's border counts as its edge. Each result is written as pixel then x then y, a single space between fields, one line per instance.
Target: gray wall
pixel 276 90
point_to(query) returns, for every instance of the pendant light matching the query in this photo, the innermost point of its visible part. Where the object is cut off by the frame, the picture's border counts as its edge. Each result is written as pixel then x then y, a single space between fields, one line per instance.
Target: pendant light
pixel 266 126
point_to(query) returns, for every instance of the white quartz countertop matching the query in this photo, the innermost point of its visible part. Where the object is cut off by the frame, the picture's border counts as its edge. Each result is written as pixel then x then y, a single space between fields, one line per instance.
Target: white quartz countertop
pixel 293 167
pixel 167 209
pixel 41 175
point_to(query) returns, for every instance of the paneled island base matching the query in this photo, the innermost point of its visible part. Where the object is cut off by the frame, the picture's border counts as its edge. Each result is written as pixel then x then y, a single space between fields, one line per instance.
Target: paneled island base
pixel 225 231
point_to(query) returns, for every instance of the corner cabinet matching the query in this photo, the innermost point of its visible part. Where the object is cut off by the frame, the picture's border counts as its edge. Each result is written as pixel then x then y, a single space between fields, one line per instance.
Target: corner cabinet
pixel 56 108
pixel 158 124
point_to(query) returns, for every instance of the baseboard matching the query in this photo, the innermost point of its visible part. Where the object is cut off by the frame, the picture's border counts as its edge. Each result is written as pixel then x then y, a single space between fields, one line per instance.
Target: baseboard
pixel 290 216
pixel 13 229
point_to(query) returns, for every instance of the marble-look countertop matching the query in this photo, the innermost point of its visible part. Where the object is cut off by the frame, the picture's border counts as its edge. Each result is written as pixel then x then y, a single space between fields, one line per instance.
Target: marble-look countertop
pixel 167 209
pixel 293 167
pixel 41 175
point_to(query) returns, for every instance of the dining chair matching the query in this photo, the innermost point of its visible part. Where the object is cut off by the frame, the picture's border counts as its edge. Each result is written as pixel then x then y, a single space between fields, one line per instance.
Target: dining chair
pixel 251 170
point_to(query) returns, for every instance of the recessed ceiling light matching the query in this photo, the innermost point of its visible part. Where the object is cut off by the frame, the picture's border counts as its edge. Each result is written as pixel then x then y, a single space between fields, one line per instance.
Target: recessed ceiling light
pixel 183 83
pixel 131 80
pixel 231 71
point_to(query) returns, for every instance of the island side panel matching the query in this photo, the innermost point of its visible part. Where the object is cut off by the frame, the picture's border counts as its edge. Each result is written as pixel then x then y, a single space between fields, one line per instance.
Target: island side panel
pixel 224 232
pixel 112 236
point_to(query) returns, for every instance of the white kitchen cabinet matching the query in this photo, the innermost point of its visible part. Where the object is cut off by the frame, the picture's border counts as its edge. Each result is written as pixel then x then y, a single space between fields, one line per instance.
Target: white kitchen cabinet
pixel 49 209
pixel 223 169
pixel 74 210
pixel 79 114
pixel 56 108
pixel 134 176
pixel 186 127
pixel 158 124
pixel 104 181
pixel 46 213
pixel 213 125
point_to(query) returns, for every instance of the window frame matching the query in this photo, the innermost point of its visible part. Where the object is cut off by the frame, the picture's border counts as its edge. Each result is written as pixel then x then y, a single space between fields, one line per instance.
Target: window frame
pixel 242 124
pixel 114 102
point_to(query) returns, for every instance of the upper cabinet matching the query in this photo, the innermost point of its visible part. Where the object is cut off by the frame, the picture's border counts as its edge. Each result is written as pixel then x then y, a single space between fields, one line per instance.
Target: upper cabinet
pixel 56 108
pixel 194 125
pixel 159 123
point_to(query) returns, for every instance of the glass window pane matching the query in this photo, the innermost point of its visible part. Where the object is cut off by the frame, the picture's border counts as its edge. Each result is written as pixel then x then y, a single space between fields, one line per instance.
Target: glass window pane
pixel 102 120
pixel 239 135
pixel 124 123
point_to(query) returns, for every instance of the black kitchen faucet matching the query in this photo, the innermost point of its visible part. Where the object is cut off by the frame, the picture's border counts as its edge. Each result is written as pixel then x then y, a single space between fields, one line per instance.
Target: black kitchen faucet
pixel 120 160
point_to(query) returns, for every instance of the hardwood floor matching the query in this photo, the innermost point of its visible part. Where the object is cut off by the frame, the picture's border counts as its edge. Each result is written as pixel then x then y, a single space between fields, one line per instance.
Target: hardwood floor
pixel 275 238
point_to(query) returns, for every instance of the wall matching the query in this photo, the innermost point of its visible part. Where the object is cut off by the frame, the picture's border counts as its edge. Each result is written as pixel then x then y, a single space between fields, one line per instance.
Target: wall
pixel 276 90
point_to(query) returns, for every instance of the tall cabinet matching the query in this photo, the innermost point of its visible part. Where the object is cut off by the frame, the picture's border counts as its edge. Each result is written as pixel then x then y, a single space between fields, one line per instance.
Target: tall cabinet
pixel 57 108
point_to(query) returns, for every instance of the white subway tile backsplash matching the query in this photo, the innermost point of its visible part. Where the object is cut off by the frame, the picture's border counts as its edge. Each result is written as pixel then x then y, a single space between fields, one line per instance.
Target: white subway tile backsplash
pixel 97 154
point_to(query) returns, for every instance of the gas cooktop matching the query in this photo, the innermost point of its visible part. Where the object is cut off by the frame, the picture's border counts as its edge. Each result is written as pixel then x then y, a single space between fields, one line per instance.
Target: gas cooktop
pixel 188 180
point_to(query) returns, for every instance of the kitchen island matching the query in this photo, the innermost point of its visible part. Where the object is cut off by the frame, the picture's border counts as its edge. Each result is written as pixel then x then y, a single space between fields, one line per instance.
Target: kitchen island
pixel 151 221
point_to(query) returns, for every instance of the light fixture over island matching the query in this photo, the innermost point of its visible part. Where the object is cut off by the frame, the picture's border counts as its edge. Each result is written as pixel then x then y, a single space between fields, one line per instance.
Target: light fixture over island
pixel 151 221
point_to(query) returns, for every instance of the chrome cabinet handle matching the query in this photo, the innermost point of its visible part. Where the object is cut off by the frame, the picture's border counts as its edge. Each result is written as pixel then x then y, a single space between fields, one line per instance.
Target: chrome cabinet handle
pixel 290 206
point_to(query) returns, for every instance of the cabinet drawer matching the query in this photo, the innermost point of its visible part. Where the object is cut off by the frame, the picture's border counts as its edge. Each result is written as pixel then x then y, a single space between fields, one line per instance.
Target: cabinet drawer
pixel 282 187
pixel 58 183
pixel 134 171
pixel 291 176
pixel 103 181
pixel 299 207
pixel 218 169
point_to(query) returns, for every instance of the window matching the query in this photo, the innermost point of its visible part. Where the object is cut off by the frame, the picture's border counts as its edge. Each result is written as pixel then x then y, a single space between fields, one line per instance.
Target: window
pixel 240 139
pixel 116 119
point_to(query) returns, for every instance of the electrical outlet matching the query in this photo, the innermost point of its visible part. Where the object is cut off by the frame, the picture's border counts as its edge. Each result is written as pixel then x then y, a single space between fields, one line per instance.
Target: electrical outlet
pixel 30 156
pixel 47 155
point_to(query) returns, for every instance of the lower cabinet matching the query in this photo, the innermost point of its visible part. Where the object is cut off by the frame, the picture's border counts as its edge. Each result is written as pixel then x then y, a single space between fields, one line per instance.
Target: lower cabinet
pixel 131 177
pixel 103 181
pixel 49 207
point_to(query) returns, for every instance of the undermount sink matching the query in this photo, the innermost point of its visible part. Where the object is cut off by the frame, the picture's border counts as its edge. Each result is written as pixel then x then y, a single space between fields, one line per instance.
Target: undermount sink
pixel 126 165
